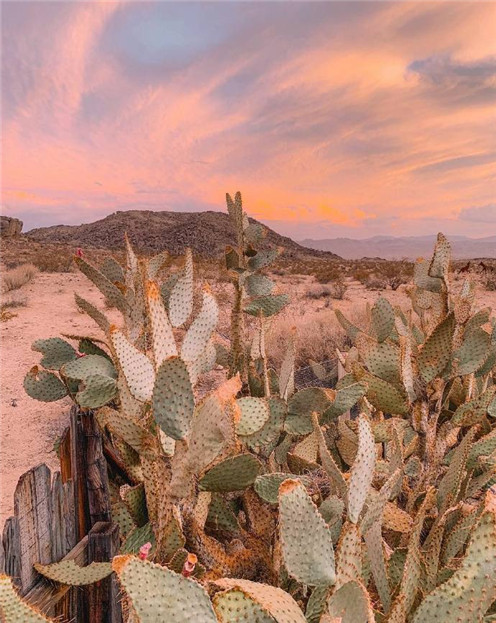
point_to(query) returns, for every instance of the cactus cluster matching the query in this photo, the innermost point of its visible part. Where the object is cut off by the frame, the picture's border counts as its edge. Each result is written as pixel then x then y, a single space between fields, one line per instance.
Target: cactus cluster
pixel 263 503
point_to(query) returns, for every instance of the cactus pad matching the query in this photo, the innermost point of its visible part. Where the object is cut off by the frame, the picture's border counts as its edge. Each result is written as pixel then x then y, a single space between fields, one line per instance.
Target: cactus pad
pixel 159 594
pixel 173 400
pixel 55 352
pixel 305 537
pixel 232 474
pixel 68 572
pixel 44 386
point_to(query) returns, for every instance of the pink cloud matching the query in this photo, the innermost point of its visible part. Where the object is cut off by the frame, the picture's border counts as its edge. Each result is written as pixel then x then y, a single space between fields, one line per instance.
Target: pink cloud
pixel 324 115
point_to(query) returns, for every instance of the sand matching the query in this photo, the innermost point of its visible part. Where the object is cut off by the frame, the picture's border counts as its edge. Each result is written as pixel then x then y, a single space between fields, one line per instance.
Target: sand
pixel 30 428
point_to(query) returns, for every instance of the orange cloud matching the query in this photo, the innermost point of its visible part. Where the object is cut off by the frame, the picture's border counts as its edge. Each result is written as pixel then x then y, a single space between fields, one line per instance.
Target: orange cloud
pixel 318 116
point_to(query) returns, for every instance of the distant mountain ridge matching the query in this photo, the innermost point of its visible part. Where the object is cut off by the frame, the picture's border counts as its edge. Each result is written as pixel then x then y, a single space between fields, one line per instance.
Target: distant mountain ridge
pixel 410 247
pixel 206 233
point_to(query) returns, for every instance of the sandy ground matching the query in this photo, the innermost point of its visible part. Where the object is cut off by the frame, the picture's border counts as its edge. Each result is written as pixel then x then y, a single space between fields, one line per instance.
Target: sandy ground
pixel 30 428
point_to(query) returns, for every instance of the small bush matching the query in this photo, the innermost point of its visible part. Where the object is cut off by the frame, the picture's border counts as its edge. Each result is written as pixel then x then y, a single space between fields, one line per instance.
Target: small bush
pixel 54 263
pixel 17 277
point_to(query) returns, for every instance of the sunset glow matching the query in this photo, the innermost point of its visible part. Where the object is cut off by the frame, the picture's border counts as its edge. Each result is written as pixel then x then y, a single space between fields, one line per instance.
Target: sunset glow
pixel 333 118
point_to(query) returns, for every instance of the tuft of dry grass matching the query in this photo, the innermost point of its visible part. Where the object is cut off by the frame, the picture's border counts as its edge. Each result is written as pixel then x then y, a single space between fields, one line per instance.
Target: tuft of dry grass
pixel 17 277
pixel 318 334
pixel 335 290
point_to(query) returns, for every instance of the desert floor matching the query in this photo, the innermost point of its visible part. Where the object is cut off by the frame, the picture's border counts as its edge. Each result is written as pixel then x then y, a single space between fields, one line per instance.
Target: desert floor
pixel 30 428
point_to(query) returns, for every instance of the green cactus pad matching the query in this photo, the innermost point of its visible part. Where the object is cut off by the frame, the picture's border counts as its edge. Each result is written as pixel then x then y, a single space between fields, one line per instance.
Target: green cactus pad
pixel 254 413
pixel 94 313
pixel 382 319
pixel 136 538
pixel 267 485
pixel 440 262
pixel 173 400
pixel 98 390
pixel 156 263
pixel 267 305
pixel 128 429
pixel 423 280
pixel 471 590
pixel 55 352
pixel 82 367
pixel 351 330
pixel 163 342
pixel 159 594
pixel 221 516
pixel 362 471
pixel 44 386
pixel 112 270
pixel 109 290
pixel 482 447
pixel 301 406
pixel 316 604
pixel 381 394
pixel 345 399
pixel 180 303
pixel 232 474
pixel 89 346
pixel 258 285
pixel 265 439
pixel 305 537
pixel 351 604
pixel 437 349
pixel 201 329
pixel 269 603
pixel 13 609
pixel 68 572
pixel 473 352
pixel 137 368
pixel 473 411
pixel 135 500
pixel 263 259
pixel 383 360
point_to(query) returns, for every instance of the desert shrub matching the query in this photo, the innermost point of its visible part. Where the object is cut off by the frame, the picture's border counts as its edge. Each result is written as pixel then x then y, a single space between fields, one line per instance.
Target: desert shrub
pixel 374 282
pixel 490 282
pixel 17 277
pixel 13 300
pixel 54 262
pixel 318 334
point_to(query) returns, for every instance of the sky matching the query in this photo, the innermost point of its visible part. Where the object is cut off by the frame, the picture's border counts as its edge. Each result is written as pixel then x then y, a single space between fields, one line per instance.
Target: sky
pixel 332 118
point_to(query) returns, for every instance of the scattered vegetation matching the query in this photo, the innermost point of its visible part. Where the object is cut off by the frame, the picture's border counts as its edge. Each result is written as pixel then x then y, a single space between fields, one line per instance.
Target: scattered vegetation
pixel 15 278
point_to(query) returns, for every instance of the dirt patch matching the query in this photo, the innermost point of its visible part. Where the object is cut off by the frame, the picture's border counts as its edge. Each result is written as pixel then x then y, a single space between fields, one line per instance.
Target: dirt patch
pixel 30 428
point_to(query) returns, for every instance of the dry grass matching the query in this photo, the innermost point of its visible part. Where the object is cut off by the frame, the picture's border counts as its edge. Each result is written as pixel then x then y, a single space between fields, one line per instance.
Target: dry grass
pixel 17 277
pixel 318 335
pixel 335 290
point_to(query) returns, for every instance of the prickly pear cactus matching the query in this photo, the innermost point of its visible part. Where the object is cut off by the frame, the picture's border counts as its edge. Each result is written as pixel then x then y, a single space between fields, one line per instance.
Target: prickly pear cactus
pixel 262 503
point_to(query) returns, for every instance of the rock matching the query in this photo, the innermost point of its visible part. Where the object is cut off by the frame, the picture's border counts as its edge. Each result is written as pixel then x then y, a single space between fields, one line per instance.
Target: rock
pixel 10 227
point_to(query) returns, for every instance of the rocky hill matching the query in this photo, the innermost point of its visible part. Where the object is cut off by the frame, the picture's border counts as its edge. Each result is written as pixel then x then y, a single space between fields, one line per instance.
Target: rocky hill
pixel 207 233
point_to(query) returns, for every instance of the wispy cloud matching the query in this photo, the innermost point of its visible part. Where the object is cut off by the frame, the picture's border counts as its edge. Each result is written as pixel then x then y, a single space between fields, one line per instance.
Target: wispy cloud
pixel 308 108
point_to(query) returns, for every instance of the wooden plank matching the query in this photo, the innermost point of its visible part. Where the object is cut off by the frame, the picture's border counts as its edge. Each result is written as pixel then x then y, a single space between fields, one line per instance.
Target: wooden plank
pixel 103 596
pixel 32 508
pixel 63 518
pixel 65 455
pixel 12 549
pixel 96 471
pixel 78 471
pixel 46 594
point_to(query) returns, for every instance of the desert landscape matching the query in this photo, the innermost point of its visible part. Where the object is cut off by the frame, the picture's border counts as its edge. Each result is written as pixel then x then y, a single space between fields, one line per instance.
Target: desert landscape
pixel 44 307
pixel 247 312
